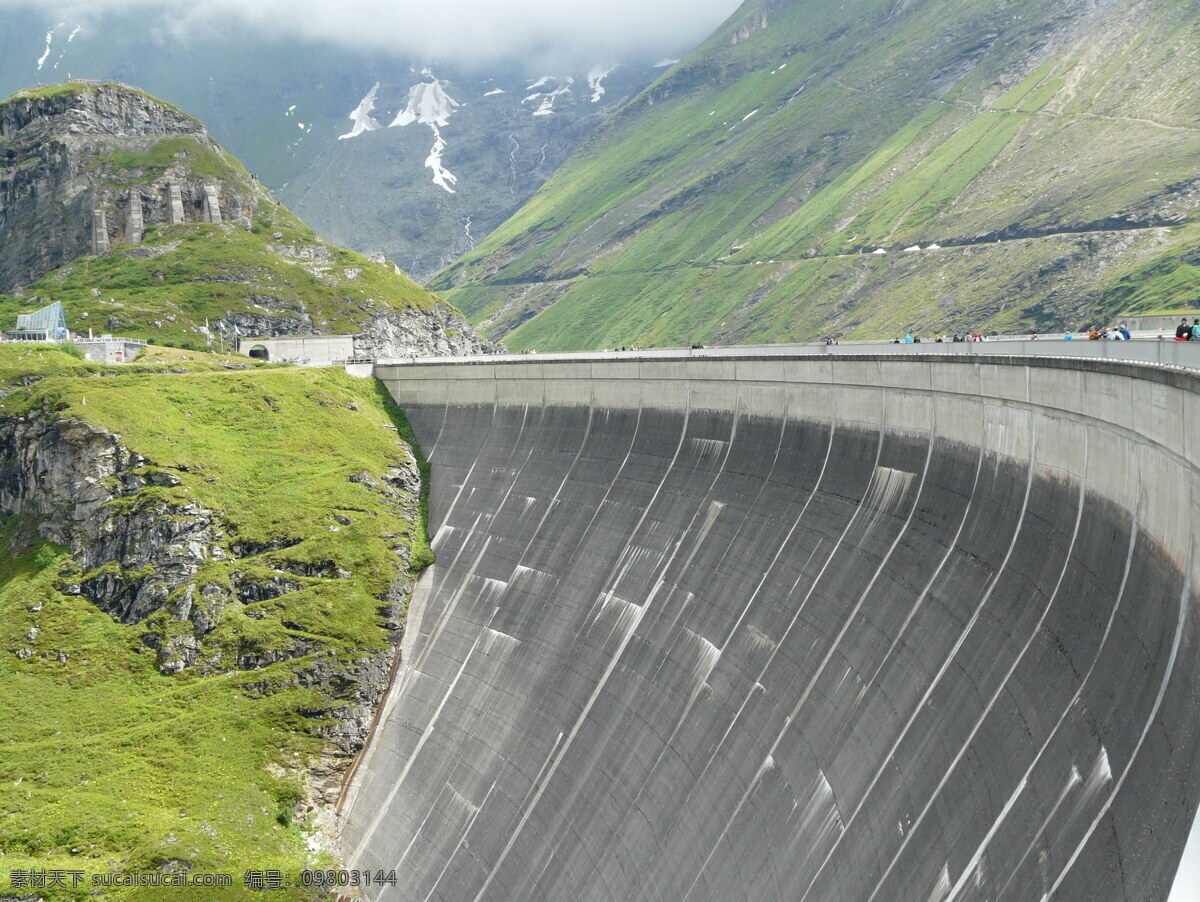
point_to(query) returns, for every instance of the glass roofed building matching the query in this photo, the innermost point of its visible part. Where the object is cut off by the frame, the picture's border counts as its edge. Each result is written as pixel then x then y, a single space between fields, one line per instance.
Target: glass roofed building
pixel 47 324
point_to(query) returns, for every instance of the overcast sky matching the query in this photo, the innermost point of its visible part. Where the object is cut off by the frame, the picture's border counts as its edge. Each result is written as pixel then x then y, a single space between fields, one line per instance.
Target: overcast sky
pixel 461 31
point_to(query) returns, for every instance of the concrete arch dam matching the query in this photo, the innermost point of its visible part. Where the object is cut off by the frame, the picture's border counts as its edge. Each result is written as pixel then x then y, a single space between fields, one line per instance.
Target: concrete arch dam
pixel 845 628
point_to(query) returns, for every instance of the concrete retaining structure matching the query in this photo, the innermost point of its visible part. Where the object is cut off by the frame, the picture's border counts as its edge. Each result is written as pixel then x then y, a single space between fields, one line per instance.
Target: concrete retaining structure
pixel 175 215
pixel 307 350
pixel 111 350
pixel 211 205
pixel 135 226
pixel 810 627
pixel 100 242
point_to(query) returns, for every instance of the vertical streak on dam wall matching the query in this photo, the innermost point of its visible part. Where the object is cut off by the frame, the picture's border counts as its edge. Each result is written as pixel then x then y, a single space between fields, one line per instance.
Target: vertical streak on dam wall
pixel 812 629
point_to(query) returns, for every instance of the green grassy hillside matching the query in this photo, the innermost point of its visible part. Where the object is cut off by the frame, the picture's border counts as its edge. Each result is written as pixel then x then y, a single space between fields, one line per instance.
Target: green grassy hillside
pixel 69 150
pixel 108 764
pixel 183 276
pixel 1047 149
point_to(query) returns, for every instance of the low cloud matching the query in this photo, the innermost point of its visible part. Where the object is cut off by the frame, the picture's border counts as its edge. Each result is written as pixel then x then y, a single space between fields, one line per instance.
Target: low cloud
pixel 458 31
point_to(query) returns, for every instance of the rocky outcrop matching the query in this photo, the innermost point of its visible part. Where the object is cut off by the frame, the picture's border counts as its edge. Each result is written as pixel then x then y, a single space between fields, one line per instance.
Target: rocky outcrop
pixel 92 110
pixel 314 253
pixel 84 490
pixel 99 168
pixel 57 153
pixel 753 25
pixel 262 325
pixel 144 554
pixel 58 473
pixel 440 332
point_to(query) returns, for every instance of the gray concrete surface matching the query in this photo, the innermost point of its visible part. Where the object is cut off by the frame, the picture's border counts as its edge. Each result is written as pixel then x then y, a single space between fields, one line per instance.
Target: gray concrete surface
pixel 135 223
pixel 211 206
pixel 1142 350
pixel 306 350
pixel 175 214
pixel 810 628
pixel 111 350
pixel 100 242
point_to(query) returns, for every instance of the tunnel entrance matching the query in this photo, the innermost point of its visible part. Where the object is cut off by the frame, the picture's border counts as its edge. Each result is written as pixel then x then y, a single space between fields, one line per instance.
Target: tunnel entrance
pixel 259 353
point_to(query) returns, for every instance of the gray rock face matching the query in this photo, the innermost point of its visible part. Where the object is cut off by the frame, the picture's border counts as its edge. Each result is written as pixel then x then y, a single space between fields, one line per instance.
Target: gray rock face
pixel 139 557
pixel 262 325
pixel 317 253
pixel 135 554
pixel 57 198
pixel 57 472
pixel 440 332
pixel 504 137
pixel 96 111
pixel 156 549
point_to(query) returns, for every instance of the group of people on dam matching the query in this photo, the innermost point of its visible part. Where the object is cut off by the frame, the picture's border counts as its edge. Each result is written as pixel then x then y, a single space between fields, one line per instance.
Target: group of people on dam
pixel 1185 332
pixel 1116 333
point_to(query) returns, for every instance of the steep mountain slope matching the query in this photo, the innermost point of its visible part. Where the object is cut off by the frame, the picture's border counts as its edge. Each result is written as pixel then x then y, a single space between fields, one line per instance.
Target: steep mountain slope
pixel 865 168
pixel 124 209
pixel 373 193
pixel 203 578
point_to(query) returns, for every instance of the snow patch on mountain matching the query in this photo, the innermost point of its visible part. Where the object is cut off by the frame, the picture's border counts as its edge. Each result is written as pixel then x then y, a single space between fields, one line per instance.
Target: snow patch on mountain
pixel 494 92
pixel 442 177
pixel 596 81
pixel 429 104
pixel 46 53
pixel 546 99
pixel 50 34
pixel 662 64
pixel 361 117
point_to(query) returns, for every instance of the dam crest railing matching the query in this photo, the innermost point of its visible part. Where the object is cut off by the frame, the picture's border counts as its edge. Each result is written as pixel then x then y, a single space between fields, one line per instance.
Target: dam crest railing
pixel 1181 354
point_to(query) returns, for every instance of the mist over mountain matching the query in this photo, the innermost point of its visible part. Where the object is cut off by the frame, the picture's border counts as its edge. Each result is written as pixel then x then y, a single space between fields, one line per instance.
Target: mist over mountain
pixel 462 33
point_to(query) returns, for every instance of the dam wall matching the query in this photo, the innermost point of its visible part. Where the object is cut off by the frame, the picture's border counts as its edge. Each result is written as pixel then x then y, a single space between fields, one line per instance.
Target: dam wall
pixel 826 628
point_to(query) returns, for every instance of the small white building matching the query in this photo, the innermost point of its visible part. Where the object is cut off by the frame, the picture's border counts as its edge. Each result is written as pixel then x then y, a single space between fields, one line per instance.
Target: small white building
pixel 107 349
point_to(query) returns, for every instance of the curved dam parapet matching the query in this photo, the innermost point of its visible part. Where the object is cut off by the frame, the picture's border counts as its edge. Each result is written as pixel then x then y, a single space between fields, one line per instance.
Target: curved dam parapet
pixel 812 628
